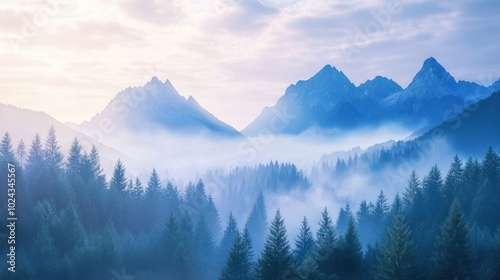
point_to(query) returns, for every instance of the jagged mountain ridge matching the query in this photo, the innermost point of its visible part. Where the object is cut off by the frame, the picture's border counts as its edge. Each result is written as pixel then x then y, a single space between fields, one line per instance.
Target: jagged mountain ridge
pixel 157 106
pixel 329 101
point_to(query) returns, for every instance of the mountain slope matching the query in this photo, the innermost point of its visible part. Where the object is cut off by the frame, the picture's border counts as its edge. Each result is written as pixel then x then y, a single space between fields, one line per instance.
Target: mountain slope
pixel 24 124
pixel 472 131
pixel 157 106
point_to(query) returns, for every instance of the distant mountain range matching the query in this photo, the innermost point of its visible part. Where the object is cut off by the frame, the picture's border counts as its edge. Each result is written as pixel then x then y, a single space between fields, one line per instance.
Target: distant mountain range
pixel 157 106
pixel 329 101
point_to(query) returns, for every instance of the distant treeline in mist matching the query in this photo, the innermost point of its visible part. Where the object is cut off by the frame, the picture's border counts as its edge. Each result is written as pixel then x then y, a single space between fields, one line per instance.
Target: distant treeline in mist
pixel 74 224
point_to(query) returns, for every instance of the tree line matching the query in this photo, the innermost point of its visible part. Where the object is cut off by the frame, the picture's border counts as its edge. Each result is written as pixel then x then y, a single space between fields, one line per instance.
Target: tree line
pixel 76 224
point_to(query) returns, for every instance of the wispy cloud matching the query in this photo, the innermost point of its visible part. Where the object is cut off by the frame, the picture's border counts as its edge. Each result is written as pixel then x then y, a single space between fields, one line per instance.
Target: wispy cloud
pixel 233 56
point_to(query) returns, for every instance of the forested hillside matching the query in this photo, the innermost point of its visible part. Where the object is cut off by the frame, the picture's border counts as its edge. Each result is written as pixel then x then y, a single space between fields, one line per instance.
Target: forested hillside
pixel 75 224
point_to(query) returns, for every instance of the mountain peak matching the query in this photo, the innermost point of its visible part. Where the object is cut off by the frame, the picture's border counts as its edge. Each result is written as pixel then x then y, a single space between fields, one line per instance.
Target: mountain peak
pixel 433 75
pixel 432 64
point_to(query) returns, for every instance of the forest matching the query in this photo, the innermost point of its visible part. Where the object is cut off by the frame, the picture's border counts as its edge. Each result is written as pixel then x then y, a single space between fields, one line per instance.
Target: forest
pixel 74 223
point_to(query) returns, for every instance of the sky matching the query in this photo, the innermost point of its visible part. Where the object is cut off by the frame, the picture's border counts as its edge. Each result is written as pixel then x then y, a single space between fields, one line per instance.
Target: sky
pixel 69 58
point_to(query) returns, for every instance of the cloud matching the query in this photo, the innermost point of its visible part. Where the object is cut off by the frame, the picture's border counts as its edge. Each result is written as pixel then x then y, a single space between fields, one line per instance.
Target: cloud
pixel 236 56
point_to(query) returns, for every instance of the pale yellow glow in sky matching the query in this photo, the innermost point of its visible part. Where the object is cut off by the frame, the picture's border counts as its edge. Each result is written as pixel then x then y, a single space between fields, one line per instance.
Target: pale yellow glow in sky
pixel 70 58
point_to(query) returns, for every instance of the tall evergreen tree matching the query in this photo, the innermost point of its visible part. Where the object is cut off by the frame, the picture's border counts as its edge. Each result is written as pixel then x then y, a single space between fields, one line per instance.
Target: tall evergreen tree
pixel 326 246
pixel 95 165
pixel 453 185
pixel 349 263
pixel 411 192
pixel 213 219
pixel 205 249
pixel 364 217
pixel 228 238
pixel 21 153
pixel 343 218
pixel 276 258
pixel 472 182
pixel 154 186
pixel 6 152
pixel 118 181
pixel 453 250
pixel 52 152
pixel 379 217
pixel 397 260
pixel 488 196
pixel 257 223
pixel 74 159
pixel 433 196
pixel 304 243
pixel 238 265
pixel 396 207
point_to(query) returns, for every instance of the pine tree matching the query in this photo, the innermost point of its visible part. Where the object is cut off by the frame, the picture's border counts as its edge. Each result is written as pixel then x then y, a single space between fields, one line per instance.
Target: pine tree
pixel 349 264
pixel 46 254
pixel 154 186
pixel 21 153
pixel 205 248
pixel 397 260
pixel 228 238
pixel 488 197
pixel 304 243
pixel 257 223
pixel 453 185
pixel 472 182
pixel 74 159
pixel 276 258
pixel 411 192
pixel 6 152
pixel 53 155
pixel 213 219
pixel 118 181
pixel 343 218
pixel 95 165
pixel 396 207
pixel 364 217
pixel 379 216
pixel 238 265
pixel 326 246
pixel 453 250
pixel 433 196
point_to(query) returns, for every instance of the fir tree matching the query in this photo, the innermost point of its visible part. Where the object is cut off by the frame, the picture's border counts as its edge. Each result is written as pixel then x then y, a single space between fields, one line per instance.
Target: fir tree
pixel 453 250
pixel 228 237
pixel 154 186
pixel 304 243
pixel 238 265
pixel 205 249
pixel 257 223
pixel 74 159
pixel 21 153
pixel 343 218
pixel 350 254
pixel 326 245
pixel 453 185
pixel 118 181
pixel 433 191
pixel 472 182
pixel 411 192
pixel 6 152
pixel 397 260
pixel 488 197
pixel 276 258
pixel 52 152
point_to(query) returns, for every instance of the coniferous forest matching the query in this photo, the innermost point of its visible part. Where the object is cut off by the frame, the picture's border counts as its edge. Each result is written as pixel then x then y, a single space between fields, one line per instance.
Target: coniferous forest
pixel 73 223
